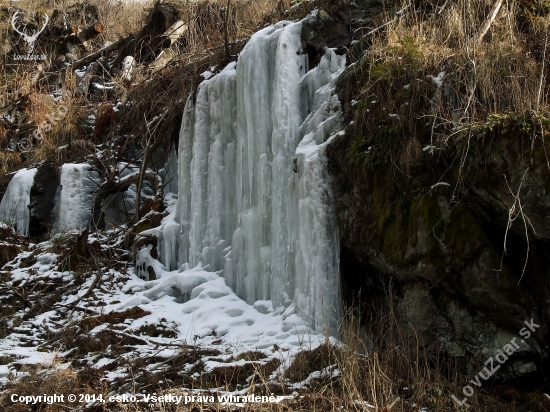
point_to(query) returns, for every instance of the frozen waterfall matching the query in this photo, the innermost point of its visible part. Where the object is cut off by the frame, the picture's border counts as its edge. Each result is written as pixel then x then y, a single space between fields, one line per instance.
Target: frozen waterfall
pixel 254 195
pixel 14 208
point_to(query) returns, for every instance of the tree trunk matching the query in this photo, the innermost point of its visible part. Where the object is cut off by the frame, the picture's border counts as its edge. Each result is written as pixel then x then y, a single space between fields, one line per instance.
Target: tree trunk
pixel 113 187
pixel 149 38
pixel 91 32
pixel 77 37
pixel 226 30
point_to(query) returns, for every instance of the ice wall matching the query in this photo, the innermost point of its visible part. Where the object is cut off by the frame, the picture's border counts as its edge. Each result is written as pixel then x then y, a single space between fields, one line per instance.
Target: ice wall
pixel 74 206
pixel 254 196
pixel 14 208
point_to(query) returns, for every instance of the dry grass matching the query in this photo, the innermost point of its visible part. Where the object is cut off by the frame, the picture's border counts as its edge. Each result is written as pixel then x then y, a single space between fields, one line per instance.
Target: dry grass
pixel 500 73
pixel 10 160
pixel 425 76
pixel 380 369
pixel 46 380
pixel 202 48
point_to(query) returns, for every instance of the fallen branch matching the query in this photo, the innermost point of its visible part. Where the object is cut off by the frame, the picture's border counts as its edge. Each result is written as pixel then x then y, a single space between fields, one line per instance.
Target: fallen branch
pixel 88 59
pixel 25 301
pixel 122 184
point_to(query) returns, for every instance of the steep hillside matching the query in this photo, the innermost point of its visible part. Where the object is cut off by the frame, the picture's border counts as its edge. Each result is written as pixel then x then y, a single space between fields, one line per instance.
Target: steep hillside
pixel 336 205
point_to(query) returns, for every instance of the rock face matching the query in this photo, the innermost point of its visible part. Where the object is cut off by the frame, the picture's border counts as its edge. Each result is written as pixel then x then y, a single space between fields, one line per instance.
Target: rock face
pixel 458 237
pixel 334 26
pixel 42 200
pixel 439 235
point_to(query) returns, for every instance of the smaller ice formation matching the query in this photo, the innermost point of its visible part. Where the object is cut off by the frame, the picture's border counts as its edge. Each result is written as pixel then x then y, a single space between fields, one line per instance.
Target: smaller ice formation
pixel 74 205
pixel 14 208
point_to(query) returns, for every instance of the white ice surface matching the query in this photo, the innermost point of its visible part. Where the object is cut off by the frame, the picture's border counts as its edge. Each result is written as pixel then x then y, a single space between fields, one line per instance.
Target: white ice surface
pixel 78 185
pixel 14 208
pixel 249 250
pixel 254 194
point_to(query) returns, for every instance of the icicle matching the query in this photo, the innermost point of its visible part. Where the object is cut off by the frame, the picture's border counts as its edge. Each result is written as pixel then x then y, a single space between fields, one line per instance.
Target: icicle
pixel 171 173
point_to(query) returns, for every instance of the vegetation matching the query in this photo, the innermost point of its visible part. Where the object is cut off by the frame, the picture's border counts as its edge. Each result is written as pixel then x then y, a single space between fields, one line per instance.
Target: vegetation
pixel 427 80
pixel 27 101
pixel 423 91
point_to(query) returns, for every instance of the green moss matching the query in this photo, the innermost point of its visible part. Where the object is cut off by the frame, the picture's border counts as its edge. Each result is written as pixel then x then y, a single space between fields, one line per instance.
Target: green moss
pixel 511 125
pixel 387 88
pixel 389 217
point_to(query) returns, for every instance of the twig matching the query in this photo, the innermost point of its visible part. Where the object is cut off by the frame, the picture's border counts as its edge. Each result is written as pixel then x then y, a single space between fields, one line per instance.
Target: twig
pixel 542 70
pixel 129 231
pixel 398 14
pixel 511 218
pixel 25 301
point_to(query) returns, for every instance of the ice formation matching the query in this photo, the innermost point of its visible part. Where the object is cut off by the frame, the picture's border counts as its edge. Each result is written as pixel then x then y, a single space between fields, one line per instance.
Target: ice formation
pixel 14 208
pixel 74 205
pixel 254 193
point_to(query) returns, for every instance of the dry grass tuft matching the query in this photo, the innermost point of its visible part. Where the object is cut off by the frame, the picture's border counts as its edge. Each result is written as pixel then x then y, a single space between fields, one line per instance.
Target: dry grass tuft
pixel 10 160
pixel 41 381
pixel 309 361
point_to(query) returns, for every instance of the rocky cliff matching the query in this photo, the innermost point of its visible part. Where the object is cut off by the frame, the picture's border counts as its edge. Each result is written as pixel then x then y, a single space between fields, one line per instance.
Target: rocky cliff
pixel 444 214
